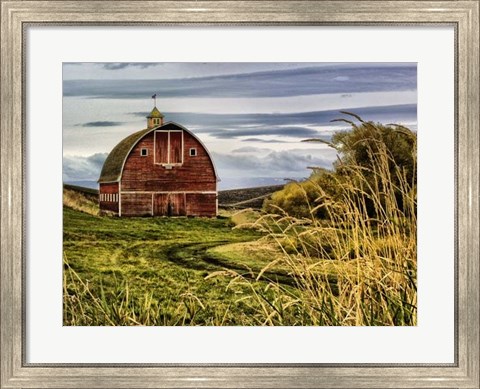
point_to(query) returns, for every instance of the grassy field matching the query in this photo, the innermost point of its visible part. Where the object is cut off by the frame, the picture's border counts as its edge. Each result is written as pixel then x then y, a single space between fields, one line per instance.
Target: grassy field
pixel 153 271
pixel 222 271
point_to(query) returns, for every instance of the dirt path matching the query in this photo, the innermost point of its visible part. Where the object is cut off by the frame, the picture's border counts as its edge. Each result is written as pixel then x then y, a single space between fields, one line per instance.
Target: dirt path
pixel 196 256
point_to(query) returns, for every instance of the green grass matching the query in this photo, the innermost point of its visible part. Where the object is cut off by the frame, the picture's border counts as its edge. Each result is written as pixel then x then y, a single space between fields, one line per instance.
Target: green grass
pixel 149 271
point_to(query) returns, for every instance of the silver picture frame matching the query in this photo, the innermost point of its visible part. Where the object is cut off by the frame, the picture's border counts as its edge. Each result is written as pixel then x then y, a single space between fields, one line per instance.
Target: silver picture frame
pixel 17 16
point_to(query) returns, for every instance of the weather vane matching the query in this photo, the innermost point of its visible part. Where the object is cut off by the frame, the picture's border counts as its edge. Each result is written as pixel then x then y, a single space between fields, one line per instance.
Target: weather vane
pixel 154 97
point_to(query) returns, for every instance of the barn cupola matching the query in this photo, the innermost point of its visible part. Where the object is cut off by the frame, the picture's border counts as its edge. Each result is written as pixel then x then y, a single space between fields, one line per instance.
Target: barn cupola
pixel 155 118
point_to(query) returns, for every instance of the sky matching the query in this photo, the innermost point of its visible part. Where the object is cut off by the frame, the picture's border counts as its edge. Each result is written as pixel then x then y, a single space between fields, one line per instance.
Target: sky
pixel 251 116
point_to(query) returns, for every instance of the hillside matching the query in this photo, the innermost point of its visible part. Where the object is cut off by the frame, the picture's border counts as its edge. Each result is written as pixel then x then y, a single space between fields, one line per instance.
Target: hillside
pixel 80 199
pixel 247 197
pixel 87 191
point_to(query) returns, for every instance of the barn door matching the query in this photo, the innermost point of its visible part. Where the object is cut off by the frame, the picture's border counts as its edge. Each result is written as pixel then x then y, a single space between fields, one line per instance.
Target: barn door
pixel 176 205
pixel 160 202
pixel 161 147
pixel 176 147
pixel 169 204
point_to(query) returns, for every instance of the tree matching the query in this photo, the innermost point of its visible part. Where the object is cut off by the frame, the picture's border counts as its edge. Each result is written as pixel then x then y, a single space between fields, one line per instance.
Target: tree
pixel 378 159
pixel 359 146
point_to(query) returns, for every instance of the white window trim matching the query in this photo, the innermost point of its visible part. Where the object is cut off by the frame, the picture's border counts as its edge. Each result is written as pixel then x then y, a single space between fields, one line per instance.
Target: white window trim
pixel 141 152
pixel 194 149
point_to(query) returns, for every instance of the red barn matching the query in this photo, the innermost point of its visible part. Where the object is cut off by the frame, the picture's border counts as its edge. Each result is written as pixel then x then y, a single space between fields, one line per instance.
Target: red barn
pixel 163 170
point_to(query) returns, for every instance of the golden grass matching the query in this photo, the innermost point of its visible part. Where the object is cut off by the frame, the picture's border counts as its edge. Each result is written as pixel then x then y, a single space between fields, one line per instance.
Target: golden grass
pixel 357 266
pixel 244 218
pixel 79 202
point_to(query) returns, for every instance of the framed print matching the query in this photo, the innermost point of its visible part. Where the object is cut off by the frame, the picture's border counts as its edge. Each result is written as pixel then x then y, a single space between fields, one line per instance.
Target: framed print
pixel 240 194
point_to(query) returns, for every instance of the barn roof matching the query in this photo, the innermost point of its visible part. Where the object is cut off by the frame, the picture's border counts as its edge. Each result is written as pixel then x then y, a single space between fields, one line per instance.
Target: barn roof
pixel 155 113
pixel 113 165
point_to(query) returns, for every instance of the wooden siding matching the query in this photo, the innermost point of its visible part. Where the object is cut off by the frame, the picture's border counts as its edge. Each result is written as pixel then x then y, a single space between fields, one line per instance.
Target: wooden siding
pixel 176 147
pixel 175 188
pixel 136 204
pixel 169 204
pixel 201 204
pixel 161 147
pixel 142 174
pixel 106 197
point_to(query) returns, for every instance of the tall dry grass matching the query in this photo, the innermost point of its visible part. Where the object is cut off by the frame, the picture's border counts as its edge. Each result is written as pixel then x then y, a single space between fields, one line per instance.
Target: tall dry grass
pixel 358 265
pixel 78 201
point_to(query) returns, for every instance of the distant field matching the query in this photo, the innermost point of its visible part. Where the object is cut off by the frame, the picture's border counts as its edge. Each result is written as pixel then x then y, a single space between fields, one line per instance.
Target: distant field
pixel 246 198
pixel 81 189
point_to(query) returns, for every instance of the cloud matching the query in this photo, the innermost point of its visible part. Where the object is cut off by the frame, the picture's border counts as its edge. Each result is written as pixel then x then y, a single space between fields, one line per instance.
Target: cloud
pixel 274 83
pixel 290 125
pixel 291 132
pixel 312 118
pixel 265 140
pixel 124 65
pixel 248 149
pixel 77 168
pixel 286 163
pixel 140 114
pixel 100 124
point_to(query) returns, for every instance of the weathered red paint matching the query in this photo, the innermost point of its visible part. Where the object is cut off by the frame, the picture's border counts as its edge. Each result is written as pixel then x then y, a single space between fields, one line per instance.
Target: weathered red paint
pixel 107 203
pixel 167 181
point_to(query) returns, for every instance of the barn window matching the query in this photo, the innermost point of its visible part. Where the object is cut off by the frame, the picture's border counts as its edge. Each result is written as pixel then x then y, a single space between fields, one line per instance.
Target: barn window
pixel 144 152
pixel 193 152
pixel 169 147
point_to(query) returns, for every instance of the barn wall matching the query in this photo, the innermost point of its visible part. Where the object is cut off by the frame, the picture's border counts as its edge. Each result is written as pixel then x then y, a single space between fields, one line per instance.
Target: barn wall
pixel 138 204
pixel 142 174
pixel 200 204
pixel 148 188
pixel 108 189
pixel 169 204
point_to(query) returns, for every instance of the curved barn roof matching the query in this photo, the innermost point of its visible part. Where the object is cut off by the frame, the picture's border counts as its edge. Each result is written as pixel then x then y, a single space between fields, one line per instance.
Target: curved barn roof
pixel 113 165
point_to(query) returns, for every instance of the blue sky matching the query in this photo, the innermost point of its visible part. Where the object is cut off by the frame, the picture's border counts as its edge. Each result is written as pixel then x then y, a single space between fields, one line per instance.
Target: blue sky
pixel 251 116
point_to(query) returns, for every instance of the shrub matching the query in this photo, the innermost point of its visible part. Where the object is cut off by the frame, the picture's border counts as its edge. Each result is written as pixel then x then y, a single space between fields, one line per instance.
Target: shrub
pixel 299 198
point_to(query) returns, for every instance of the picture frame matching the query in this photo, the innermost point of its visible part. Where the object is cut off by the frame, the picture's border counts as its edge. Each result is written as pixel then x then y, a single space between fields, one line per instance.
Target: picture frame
pixel 16 16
